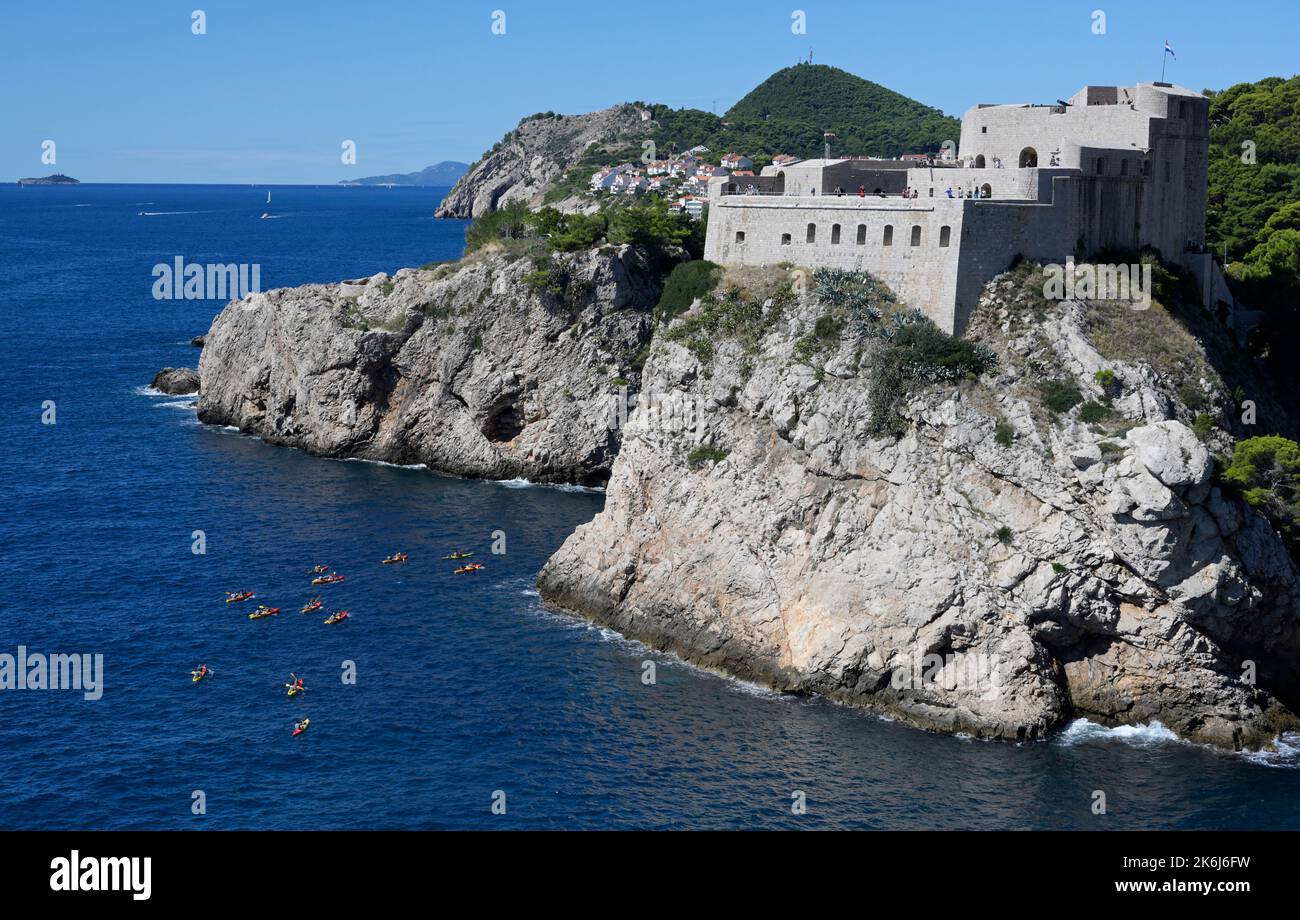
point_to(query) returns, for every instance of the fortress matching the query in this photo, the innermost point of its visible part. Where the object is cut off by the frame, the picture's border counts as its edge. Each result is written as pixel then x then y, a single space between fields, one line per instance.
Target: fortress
pixel 1112 168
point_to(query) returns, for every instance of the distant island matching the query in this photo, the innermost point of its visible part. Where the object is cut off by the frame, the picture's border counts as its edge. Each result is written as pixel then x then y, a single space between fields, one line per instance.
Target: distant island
pixel 56 179
pixel 447 173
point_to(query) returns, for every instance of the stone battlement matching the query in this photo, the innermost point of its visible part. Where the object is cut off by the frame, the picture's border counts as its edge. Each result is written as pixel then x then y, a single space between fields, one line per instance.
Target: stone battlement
pixel 1117 167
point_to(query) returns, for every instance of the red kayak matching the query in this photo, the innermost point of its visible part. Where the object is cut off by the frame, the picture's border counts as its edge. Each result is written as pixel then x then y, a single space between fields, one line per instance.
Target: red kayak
pixel 300 727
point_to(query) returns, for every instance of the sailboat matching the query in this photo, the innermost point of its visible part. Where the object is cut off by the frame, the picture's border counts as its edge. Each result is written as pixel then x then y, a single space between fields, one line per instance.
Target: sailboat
pixel 265 215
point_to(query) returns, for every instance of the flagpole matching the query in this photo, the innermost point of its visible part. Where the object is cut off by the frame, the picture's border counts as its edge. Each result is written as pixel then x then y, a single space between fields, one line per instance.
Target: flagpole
pixel 1164 61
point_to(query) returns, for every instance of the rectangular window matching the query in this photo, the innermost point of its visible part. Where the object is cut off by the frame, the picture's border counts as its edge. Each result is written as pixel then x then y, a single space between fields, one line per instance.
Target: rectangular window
pixel 1101 166
pixel 862 234
pixel 812 233
pixel 916 235
pixel 889 235
pixel 835 234
pixel 945 236
pixel 785 239
pixel 740 236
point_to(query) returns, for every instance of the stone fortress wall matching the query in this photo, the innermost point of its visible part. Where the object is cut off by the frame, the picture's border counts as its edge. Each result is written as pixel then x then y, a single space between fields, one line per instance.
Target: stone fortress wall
pixel 1116 167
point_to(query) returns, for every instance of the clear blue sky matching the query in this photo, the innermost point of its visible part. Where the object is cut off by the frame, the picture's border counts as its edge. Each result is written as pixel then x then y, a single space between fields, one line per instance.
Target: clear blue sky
pixel 128 93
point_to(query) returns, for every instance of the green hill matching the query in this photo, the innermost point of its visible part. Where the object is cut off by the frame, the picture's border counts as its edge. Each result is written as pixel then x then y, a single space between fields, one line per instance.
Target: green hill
pixel 789 111
pixel 867 118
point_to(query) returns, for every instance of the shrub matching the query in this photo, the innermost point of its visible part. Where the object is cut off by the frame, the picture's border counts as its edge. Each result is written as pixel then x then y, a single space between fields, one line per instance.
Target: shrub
pixel 650 224
pixel 1093 412
pixel 917 354
pixel 687 281
pixel 1265 471
pixel 1004 534
pixel 702 455
pixel 508 223
pixel 1060 395
pixel 1202 426
pixel 824 332
pixel 732 313
pixel 1003 433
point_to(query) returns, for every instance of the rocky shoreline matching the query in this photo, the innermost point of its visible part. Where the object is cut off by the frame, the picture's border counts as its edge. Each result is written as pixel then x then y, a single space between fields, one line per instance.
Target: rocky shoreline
pixel 996 569
pixel 498 367
pixel 949 580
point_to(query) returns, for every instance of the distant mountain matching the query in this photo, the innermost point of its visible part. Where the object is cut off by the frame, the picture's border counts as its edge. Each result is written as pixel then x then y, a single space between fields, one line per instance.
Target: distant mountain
pixel 446 173
pixel 56 179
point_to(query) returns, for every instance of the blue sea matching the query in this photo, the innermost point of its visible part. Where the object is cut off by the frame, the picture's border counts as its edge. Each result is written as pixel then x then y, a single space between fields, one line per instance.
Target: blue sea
pixel 466 687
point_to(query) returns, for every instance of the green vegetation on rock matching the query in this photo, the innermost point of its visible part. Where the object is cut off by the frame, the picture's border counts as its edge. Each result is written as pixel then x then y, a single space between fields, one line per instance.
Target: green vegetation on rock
pixel 1266 472
pixel 687 281
pixel 1254 205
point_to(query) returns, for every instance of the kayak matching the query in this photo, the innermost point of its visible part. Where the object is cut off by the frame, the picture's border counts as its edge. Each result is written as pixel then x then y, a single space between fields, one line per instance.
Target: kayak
pixel 300 727
pixel 199 675
pixel 236 598
pixel 312 607
pixel 458 556
pixel 338 617
pixel 294 690
pixel 264 612
pixel 472 567
pixel 400 557
pixel 327 580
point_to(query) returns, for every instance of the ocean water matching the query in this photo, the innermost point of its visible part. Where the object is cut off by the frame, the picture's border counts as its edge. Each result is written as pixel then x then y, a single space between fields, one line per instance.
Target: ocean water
pixel 465 686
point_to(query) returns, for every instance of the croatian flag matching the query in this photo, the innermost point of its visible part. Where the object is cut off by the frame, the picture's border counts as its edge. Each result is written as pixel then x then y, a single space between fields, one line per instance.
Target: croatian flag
pixel 1170 51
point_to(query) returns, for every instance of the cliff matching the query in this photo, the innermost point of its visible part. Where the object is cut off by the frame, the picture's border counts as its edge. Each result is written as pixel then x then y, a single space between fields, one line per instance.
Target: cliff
pixel 498 367
pixel 524 164
pixel 802 500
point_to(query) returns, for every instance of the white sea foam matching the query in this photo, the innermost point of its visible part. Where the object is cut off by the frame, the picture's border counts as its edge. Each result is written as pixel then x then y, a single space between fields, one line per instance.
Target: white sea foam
pixel 169 213
pixel 1081 730
pixel 559 486
pixel 147 391
pixel 1285 756
pixel 185 403
pixel 396 466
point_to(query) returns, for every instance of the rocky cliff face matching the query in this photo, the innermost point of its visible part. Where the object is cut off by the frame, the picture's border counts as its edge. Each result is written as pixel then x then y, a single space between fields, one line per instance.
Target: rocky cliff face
pixel 497 367
pixel 997 569
pixel 535 154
